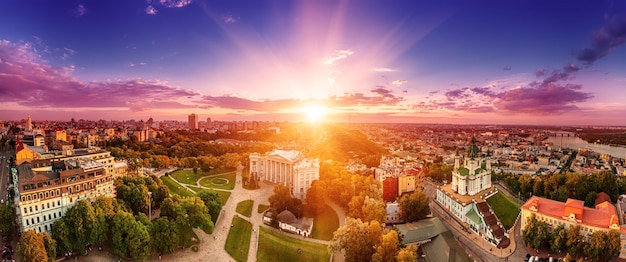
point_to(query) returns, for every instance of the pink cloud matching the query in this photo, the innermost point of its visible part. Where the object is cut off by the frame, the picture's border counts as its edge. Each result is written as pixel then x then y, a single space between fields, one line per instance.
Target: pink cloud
pixel 29 81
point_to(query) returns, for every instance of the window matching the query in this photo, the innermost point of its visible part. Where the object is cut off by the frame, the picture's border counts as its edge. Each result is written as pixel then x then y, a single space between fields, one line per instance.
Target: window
pixel 49 217
pixel 55 215
pixel 37 219
pixel 36 208
pixel 43 207
pixel 59 203
pixel 46 227
pixel 25 211
pixel 30 209
pixel 27 222
pixel 49 204
pixel 44 218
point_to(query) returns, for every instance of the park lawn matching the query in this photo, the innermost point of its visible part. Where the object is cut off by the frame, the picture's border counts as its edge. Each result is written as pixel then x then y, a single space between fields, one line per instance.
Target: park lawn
pixel 206 182
pixel 505 208
pixel 324 224
pixel 187 176
pixel 238 240
pixel 245 207
pixel 262 208
pixel 175 188
pixel 274 246
pixel 220 170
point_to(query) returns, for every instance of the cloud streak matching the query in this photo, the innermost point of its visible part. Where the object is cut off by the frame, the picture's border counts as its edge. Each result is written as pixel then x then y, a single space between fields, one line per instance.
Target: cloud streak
pixel 603 41
pixel 341 54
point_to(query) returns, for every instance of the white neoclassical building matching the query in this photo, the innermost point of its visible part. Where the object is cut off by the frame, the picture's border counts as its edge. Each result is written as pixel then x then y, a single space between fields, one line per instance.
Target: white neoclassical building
pixel 289 168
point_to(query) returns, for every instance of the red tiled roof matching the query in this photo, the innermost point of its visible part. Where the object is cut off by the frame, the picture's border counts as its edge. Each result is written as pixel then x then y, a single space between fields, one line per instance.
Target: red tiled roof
pixel 600 216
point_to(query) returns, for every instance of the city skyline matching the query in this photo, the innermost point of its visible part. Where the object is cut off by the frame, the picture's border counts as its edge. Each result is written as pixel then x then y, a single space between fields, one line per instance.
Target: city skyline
pixel 485 62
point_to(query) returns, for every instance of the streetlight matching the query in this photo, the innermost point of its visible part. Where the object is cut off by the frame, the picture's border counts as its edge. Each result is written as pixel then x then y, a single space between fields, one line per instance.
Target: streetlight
pixel 150 205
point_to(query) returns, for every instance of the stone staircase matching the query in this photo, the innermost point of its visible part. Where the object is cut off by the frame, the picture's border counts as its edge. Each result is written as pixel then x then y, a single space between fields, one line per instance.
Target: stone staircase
pixel 492 224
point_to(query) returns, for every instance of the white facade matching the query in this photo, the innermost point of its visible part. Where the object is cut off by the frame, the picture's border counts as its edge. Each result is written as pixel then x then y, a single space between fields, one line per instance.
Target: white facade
pixel 289 168
pixel 471 178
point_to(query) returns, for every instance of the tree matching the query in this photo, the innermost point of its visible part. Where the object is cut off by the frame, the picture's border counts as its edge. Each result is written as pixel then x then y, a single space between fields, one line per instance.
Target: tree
pixel 50 246
pixel 407 254
pixel 282 200
pixel 574 240
pixel 129 238
pixel 81 224
pixel 613 246
pixel 414 206
pixel 388 247
pixel 374 209
pixel 559 239
pixel 162 233
pixel 597 244
pixel 357 239
pixel 315 196
pixel 212 201
pixel 31 247
pixel 7 219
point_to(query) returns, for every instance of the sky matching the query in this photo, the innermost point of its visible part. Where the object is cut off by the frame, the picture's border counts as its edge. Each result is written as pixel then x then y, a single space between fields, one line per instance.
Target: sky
pixel 458 62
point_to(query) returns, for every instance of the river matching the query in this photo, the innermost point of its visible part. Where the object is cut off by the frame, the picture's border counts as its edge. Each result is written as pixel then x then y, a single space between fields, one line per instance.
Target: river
pixel 575 143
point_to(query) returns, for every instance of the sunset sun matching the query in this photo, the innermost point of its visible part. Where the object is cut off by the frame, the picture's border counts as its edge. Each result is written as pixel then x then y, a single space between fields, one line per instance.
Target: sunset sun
pixel 315 113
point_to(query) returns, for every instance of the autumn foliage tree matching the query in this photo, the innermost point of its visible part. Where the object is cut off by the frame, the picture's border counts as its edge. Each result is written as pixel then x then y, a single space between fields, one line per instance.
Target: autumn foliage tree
pixel 414 206
pixel 36 247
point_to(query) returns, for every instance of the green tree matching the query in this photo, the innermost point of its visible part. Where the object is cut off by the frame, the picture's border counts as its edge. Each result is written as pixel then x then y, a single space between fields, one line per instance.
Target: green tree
pixel 388 247
pixel 81 224
pixel 212 201
pixel 282 200
pixel 31 247
pixel 7 219
pixel 559 239
pixel 61 234
pixel 414 206
pixel 407 254
pixel 162 233
pixel 129 238
pixel 50 246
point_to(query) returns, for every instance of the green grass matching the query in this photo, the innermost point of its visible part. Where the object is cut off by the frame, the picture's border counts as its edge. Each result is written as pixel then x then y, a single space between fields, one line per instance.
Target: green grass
pixel 187 176
pixel 505 208
pixel 238 240
pixel 229 186
pixel 175 188
pixel 275 246
pixel 262 208
pixel 245 207
pixel 324 224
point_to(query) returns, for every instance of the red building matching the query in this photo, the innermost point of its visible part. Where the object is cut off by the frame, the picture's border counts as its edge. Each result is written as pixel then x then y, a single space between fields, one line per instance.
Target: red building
pixel 390 189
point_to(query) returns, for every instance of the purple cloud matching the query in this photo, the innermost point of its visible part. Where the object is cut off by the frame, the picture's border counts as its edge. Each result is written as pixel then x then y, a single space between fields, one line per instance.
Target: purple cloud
pixel 611 35
pixel 541 72
pixel 151 10
pixel 27 80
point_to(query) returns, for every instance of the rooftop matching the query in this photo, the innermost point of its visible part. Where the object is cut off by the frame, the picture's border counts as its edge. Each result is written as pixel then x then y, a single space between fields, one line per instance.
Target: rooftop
pixel 597 217
pixel 463 199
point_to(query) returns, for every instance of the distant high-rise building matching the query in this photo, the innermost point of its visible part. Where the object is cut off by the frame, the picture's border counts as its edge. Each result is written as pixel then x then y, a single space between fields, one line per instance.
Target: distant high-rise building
pixel 29 123
pixel 193 121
